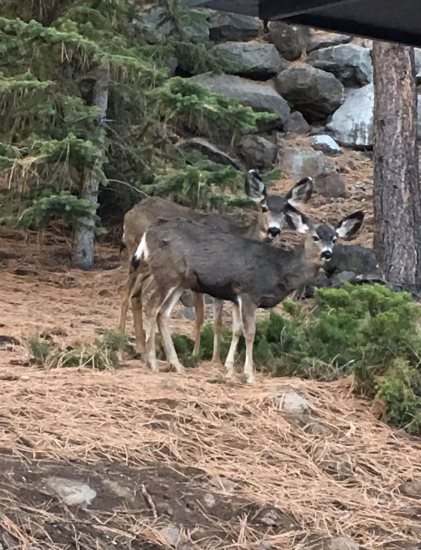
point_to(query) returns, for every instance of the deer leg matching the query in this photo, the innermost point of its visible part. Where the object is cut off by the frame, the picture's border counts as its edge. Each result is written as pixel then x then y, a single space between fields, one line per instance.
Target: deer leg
pixel 131 279
pixel 138 323
pixel 236 333
pixel 163 325
pixel 123 310
pixel 134 288
pixel 199 306
pixel 152 299
pixel 217 329
pixel 248 321
pixel 150 349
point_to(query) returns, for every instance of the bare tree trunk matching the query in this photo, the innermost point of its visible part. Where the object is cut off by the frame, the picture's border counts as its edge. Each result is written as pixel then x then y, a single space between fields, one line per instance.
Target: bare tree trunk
pixel 397 194
pixel 83 244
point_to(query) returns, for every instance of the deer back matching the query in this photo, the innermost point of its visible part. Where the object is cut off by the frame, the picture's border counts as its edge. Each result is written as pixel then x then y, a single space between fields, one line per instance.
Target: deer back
pixel 223 265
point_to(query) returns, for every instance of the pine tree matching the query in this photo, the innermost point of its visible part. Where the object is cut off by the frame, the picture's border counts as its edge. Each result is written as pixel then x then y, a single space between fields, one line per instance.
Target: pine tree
pixel 397 194
pixel 87 102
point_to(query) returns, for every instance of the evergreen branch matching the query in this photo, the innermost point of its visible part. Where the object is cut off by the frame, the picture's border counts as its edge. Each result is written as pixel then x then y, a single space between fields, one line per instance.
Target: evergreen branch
pixel 23 82
pixel 93 51
pixel 188 102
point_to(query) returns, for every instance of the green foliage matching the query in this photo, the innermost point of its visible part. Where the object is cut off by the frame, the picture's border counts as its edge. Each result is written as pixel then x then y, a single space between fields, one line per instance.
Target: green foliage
pixel 184 348
pixel 53 54
pixel 101 355
pixel 206 342
pixel 400 390
pixel 39 349
pixel 64 207
pixel 184 101
pixel 368 330
pixel 203 185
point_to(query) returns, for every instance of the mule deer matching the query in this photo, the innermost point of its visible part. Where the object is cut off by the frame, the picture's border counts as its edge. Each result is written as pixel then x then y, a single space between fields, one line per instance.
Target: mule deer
pixel 264 224
pixel 184 254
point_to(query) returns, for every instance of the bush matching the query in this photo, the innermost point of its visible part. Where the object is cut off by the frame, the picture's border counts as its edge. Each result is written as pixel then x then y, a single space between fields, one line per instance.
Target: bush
pixel 101 355
pixel 368 330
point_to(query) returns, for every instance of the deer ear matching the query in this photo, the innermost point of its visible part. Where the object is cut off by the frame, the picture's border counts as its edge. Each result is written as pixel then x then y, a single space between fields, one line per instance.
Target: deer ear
pixel 301 191
pixel 297 220
pixel 255 187
pixel 349 225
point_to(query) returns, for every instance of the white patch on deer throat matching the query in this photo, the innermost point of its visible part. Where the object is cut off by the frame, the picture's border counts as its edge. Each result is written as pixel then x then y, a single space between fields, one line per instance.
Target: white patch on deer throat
pixel 142 251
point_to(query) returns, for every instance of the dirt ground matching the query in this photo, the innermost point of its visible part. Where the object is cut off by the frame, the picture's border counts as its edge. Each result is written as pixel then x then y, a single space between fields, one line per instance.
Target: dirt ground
pixel 134 460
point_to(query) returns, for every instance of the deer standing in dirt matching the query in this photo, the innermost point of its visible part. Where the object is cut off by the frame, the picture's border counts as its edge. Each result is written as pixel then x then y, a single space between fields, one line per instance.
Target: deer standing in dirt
pixel 266 223
pixel 184 254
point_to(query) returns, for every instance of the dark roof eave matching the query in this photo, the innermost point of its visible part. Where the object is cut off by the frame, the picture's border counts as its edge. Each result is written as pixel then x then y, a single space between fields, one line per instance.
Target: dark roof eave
pixel 364 29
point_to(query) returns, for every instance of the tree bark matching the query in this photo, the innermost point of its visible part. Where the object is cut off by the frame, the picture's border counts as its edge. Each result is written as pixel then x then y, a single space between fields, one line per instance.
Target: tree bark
pixel 84 237
pixel 397 194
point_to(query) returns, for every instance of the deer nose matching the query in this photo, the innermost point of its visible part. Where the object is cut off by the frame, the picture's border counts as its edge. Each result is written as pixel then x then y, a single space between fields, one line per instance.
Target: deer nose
pixel 327 254
pixel 274 231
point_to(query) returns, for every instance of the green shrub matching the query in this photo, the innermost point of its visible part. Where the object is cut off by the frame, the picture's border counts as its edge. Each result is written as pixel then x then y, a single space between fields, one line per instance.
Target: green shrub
pixel 366 330
pixel 39 349
pixel 101 355
pixel 184 348
pixel 206 342
pixel 400 390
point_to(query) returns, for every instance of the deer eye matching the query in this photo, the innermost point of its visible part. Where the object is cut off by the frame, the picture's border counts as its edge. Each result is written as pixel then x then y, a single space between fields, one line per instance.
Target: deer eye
pixel 316 238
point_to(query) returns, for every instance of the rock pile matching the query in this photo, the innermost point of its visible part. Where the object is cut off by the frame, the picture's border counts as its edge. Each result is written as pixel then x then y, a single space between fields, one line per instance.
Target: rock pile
pixel 317 84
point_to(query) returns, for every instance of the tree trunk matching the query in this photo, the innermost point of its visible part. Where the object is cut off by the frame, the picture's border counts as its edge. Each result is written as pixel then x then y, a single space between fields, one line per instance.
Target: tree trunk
pixel 84 238
pixel 397 195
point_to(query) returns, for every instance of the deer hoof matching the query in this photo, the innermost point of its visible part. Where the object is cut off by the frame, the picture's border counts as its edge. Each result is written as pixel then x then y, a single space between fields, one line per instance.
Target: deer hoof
pixel 251 379
pixel 178 368
pixel 230 371
pixel 153 366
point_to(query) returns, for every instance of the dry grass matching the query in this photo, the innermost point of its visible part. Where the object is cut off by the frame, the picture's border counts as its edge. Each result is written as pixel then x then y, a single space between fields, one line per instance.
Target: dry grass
pixel 173 440
pixel 337 473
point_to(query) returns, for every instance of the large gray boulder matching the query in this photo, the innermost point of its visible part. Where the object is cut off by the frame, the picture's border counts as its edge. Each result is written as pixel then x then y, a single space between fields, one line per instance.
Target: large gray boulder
pixel 351 64
pixel 303 163
pixel 261 96
pixel 330 185
pixel 297 124
pixel 251 59
pixel 325 40
pixel 233 26
pixel 326 144
pixel 290 40
pixel 258 152
pixel 352 123
pixel 313 92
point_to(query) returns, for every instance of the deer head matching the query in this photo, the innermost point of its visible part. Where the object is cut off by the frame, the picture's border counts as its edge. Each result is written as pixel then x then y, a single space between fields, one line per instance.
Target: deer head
pixel 321 237
pixel 272 208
